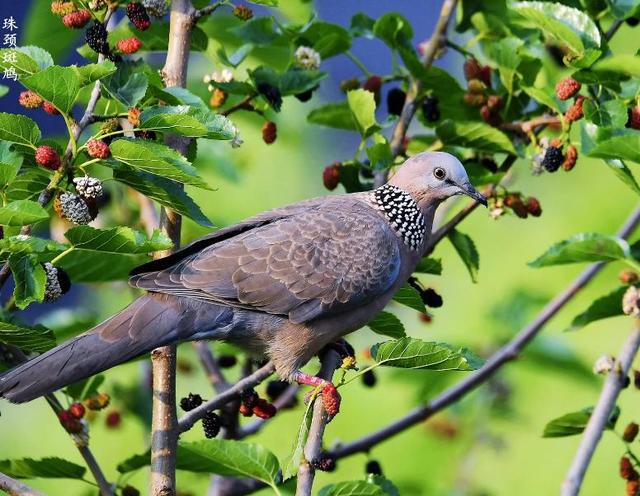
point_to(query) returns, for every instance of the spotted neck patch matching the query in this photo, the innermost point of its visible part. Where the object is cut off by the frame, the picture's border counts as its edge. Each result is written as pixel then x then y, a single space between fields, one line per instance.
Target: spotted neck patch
pixel 402 212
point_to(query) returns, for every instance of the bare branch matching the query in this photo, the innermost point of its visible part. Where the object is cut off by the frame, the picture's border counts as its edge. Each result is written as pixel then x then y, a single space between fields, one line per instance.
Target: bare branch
pixel 208 10
pixel 191 417
pixel 210 366
pixel 16 488
pixel 330 362
pixel 526 127
pixel 601 413
pixel 437 40
pixel 508 352
pixel 164 439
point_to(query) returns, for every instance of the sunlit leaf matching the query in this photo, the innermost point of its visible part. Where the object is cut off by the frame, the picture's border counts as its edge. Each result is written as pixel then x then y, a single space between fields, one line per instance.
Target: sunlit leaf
pixel 585 247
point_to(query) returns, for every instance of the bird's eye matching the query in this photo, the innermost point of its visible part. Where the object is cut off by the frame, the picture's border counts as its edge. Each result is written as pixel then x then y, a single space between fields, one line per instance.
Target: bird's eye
pixel 439 173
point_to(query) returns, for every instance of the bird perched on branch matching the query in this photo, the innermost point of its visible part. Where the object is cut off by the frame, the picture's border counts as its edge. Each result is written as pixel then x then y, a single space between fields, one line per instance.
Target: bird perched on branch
pixel 282 284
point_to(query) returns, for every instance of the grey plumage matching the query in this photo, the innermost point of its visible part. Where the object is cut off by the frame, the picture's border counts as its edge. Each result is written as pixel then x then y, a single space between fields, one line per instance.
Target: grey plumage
pixel 282 284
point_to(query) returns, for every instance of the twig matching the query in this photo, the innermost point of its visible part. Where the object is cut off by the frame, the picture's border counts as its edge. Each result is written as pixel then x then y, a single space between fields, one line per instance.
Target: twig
pixel 164 422
pixel 614 27
pixel 191 417
pixel 438 38
pixel 330 361
pixel 508 352
pixel 526 127
pixel 208 10
pixel 601 413
pixel 244 104
pixel 16 488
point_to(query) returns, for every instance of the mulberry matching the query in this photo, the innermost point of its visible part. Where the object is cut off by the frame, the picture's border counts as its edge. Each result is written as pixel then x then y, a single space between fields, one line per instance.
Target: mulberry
pixel 275 389
pixel 57 282
pixel 138 16
pixel 349 84
pixel 73 208
pixel 88 187
pixel 263 409
pixel 307 58
pixel 129 45
pixel 96 38
pixel 373 467
pixel 630 432
pixel 373 84
pixel 570 159
pixel 431 298
pixel 77 410
pixel 575 112
pixel 369 378
pixel 566 88
pixel 472 69
pixel 62 8
pixel 324 463
pixel 269 132
pixel 533 207
pixel 243 12
pixel 211 425
pixel 634 118
pixel 30 100
pixel 553 159
pixel 156 8
pixel 395 101
pixel 50 108
pixel 47 157
pixel 227 361
pixel 98 149
pixel 331 176
pixel 430 109
pixel 113 419
pixel 77 20
pixel 190 402
pixel 218 97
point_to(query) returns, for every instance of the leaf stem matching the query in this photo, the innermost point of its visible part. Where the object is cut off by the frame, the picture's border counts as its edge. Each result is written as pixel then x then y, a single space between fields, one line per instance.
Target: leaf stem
pixel 351 56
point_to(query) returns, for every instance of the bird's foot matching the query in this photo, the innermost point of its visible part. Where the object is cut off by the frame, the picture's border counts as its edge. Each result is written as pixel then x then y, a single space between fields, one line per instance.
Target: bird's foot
pixel 330 396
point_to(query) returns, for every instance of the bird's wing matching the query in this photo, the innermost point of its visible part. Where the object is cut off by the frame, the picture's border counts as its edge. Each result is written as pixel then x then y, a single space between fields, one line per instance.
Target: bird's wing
pixel 317 261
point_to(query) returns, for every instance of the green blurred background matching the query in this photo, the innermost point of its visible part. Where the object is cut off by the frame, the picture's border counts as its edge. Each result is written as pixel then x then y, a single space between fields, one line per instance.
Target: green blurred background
pixel 488 444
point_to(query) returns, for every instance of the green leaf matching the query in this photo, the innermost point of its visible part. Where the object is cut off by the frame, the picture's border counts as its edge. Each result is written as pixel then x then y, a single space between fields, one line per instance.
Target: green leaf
pixel 507 58
pixel 258 31
pixel 568 25
pixel 545 96
pixel 164 191
pixel 466 248
pixel 157 159
pixel 585 247
pixel 28 184
pixel 85 388
pixel 292 461
pixel 604 307
pixel 476 135
pixel 380 155
pixel 49 468
pixel 408 295
pixel 622 64
pixel 22 212
pixel 28 244
pixel 228 457
pixel 363 107
pixel 16 128
pixel 41 26
pixel 352 488
pixel 39 55
pixel 92 72
pixel 268 3
pixel 623 9
pixel 128 84
pixel 107 254
pixel 23 65
pixel 326 38
pixel 38 338
pixel 612 113
pixel 296 81
pixel 173 120
pixel 624 174
pixel 361 25
pixel 610 143
pixel 336 115
pixel 387 324
pixel 428 265
pixel 410 353
pixel 575 422
pixel 393 29
pixel 10 163
pixel 29 278
pixel 58 85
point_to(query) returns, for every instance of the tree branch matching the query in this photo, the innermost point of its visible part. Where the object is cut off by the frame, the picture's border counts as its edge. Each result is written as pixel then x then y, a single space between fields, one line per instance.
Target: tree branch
pixel 16 488
pixel 508 352
pixel 601 413
pixel 210 366
pixel 437 40
pixel 164 424
pixel 330 361
pixel 190 418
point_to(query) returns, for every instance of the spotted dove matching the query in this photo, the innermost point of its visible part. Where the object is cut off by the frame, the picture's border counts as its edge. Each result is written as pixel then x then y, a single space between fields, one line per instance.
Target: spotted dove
pixel 282 284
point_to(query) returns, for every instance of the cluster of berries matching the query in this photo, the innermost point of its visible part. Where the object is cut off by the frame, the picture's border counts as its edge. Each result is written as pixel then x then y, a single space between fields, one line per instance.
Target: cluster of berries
pixel 31 100
pixel 630 474
pixel 72 418
pixel 324 463
pixel 211 422
pixel 478 91
pixel 569 88
pixel 252 404
pixel 72 17
pixel 554 155
pixel 520 206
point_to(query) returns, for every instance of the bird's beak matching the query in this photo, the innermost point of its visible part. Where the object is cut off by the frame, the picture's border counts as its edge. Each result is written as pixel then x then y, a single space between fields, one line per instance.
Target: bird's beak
pixel 469 190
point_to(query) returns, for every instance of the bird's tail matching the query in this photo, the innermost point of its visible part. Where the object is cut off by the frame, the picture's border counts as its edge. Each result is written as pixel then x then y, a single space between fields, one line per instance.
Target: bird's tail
pixel 149 322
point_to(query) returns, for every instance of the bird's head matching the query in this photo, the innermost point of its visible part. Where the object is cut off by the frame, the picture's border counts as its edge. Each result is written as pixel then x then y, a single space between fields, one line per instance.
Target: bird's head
pixel 432 177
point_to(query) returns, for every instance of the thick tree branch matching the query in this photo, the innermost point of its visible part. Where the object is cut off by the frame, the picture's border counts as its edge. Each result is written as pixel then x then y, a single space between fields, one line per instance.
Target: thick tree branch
pixel 601 413
pixel 330 361
pixel 437 40
pixel 16 488
pixel 164 439
pixel 191 417
pixel 507 353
